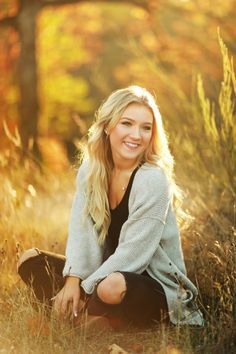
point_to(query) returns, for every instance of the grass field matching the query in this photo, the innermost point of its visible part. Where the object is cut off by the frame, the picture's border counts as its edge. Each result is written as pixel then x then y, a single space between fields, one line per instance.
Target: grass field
pixel 35 209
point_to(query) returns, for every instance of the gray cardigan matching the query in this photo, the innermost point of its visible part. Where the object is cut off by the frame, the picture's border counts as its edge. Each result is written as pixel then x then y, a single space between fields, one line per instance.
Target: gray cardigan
pixel 149 240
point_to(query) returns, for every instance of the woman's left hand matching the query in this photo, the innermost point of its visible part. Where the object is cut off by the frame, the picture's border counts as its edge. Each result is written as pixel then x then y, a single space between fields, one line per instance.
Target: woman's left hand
pixel 67 300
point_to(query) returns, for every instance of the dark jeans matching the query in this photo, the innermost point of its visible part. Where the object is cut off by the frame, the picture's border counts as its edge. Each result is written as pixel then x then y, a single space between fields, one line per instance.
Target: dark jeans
pixel 144 302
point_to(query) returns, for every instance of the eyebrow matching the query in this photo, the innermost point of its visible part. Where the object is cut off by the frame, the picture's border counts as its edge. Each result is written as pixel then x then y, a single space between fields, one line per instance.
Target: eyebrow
pixel 133 120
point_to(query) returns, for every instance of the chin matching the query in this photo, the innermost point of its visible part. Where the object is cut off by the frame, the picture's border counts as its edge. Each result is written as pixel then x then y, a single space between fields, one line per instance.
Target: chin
pixel 132 157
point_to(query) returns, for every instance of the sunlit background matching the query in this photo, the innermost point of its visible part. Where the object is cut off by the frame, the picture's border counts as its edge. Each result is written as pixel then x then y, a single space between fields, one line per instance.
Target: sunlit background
pixel 59 59
pixel 87 49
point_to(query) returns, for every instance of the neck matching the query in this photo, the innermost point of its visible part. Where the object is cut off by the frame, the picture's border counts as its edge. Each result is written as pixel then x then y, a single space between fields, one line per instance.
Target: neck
pixel 125 167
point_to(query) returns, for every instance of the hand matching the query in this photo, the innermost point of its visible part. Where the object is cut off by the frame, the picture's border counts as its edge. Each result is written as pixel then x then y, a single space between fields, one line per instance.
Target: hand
pixel 67 296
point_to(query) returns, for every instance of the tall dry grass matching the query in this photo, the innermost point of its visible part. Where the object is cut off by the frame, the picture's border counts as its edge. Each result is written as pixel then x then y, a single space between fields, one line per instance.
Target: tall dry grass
pixel 35 205
pixel 34 212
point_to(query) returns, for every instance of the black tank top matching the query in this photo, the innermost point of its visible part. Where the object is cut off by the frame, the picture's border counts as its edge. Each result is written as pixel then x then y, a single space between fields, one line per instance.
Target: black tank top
pixel 118 216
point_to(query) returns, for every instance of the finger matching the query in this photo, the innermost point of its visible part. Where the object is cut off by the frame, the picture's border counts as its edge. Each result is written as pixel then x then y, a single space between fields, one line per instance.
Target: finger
pixel 57 304
pixel 59 299
pixel 64 306
pixel 75 306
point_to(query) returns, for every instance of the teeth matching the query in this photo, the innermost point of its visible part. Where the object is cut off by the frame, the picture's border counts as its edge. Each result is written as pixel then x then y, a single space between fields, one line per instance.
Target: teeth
pixel 131 144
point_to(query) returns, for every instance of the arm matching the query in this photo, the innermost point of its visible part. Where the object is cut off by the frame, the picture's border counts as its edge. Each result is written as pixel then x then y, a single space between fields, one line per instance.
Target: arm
pixel 81 245
pixel 141 233
pixel 83 254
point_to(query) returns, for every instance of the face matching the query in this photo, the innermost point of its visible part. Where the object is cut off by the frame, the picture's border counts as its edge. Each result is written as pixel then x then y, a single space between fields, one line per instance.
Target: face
pixel 132 134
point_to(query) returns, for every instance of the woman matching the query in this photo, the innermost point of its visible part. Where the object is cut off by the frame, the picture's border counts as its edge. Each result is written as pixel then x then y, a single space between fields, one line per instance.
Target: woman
pixel 123 255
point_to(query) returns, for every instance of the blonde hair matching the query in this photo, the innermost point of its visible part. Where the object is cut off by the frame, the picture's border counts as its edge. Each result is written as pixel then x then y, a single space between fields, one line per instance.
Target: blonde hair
pixel 98 152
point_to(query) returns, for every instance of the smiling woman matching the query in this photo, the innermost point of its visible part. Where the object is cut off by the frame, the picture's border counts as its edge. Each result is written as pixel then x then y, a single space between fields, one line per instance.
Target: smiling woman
pixel 132 134
pixel 123 257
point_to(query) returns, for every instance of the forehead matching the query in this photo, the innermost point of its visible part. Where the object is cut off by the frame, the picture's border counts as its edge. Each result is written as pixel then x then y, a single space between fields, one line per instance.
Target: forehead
pixel 137 111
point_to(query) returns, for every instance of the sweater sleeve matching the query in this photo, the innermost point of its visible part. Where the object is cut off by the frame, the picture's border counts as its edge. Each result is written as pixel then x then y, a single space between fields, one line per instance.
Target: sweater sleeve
pixel 140 235
pixel 81 235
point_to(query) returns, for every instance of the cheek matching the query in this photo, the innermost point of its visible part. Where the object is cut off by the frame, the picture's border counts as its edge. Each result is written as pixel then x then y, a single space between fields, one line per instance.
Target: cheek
pixel 116 134
pixel 147 138
pixel 114 137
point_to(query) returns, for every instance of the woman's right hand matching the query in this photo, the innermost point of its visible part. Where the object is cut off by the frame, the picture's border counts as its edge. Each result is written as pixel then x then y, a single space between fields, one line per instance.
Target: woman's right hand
pixel 68 297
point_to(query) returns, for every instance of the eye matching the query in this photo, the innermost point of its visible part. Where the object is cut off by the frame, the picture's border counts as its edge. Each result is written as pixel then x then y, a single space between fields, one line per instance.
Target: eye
pixel 147 128
pixel 127 123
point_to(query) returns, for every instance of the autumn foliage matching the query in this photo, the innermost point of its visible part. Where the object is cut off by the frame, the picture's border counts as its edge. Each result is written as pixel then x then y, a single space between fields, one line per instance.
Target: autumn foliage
pixel 184 52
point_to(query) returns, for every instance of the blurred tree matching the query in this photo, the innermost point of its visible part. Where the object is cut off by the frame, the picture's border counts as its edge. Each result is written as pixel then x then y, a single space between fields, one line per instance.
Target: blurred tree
pixel 24 22
pixel 9 52
pixel 85 51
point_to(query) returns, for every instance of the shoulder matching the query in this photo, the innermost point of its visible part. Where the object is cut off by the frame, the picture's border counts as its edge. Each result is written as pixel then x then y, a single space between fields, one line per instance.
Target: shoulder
pixel 151 175
pixel 151 182
pixel 151 189
pixel 82 172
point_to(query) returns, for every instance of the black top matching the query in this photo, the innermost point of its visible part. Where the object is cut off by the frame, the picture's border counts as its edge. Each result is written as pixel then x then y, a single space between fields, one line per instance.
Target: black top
pixel 118 216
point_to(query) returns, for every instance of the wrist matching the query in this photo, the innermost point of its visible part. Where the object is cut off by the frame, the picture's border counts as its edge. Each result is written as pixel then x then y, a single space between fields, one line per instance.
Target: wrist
pixel 73 279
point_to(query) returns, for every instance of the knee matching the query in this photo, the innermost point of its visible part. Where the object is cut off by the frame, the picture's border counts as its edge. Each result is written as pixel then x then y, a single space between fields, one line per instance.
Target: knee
pixel 112 289
pixel 30 253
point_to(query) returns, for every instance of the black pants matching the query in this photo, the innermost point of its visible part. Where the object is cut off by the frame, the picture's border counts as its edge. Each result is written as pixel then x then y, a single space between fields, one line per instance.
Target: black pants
pixel 144 302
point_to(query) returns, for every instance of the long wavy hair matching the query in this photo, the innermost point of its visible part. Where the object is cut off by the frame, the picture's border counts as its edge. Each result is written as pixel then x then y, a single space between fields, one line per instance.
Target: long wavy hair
pixel 98 152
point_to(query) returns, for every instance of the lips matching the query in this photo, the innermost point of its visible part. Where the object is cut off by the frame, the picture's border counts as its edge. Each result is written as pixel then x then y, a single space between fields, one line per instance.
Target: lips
pixel 130 145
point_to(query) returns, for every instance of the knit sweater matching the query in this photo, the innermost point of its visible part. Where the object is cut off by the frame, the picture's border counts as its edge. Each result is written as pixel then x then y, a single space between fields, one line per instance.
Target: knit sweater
pixel 149 240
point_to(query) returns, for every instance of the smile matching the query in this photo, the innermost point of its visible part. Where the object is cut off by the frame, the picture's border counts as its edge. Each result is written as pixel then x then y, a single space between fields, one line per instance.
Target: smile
pixel 131 145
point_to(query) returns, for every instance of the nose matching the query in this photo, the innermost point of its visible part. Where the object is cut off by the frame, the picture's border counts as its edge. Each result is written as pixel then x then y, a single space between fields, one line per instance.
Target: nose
pixel 135 133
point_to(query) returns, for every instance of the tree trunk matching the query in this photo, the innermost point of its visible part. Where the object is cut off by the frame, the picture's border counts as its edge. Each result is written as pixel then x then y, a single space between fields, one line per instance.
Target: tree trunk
pixel 27 75
pixel 25 23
